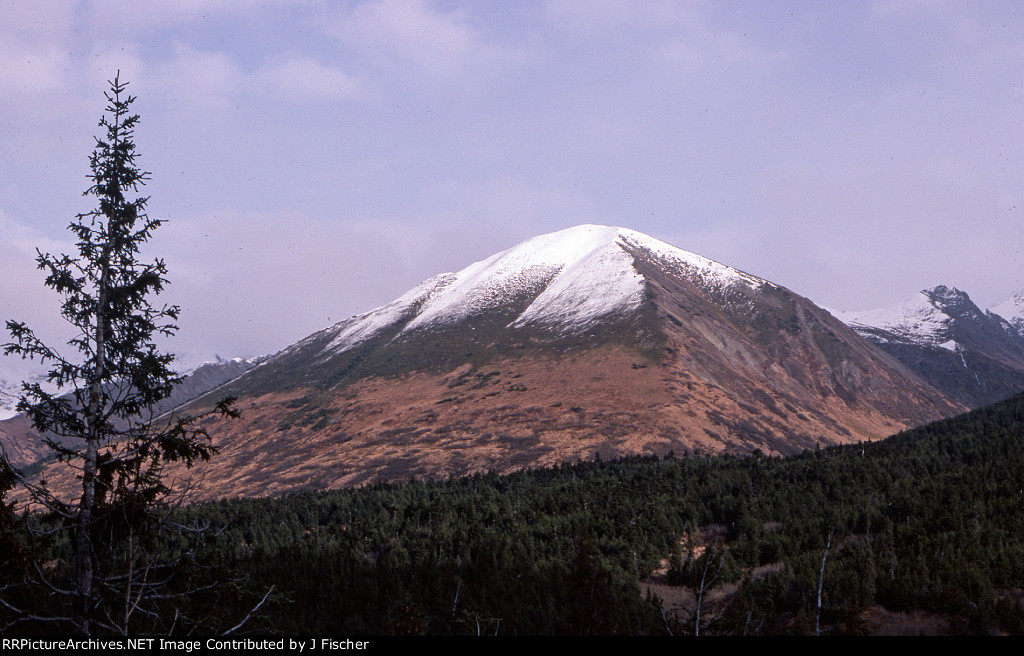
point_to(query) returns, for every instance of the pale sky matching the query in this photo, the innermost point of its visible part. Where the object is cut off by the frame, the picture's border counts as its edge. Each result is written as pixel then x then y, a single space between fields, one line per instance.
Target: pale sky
pixel 316 159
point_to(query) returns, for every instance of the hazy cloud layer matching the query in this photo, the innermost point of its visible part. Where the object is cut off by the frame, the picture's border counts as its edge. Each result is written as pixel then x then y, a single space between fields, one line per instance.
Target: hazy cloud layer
pixel 315 159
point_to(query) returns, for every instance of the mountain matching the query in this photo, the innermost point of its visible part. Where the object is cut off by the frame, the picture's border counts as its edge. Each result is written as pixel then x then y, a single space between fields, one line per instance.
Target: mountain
pixel 976 357
pixel 21 443
pixel 25 445
pixel 206 378
pixel 591 340
pixel 562 289
pixel 1013 311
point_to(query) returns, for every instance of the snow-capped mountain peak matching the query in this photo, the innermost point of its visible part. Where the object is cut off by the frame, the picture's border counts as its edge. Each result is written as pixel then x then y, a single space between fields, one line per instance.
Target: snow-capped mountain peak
pixel 922 318
pixel 1012 310
pixel 974 356
pixel 570 278
pixel 566 280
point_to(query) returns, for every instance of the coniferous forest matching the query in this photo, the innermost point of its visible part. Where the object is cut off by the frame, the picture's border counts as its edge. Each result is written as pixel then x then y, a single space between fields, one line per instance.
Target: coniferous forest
pixel 924 529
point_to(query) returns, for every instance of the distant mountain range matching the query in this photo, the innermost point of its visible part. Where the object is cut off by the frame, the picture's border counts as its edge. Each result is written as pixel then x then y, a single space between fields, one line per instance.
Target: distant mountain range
pixel 974 356
pixel 597 340
pixel 25 445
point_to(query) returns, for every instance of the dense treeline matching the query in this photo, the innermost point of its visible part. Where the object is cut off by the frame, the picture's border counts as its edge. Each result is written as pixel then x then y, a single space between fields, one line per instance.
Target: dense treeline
pixel 931 520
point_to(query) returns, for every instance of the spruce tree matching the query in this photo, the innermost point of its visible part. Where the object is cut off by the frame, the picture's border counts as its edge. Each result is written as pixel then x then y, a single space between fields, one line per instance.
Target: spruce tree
pixel 103 423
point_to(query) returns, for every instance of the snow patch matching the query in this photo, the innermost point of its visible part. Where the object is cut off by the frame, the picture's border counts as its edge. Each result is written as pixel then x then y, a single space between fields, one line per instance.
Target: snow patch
pixel 599 284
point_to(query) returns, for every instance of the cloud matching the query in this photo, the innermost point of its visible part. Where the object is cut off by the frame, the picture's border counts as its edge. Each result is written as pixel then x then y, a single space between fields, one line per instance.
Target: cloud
pixel 236 275
pixel 36 61
pixel 23 295
pixel 411 32
pixel 141 17
pixel 195 80
pixel 299 79
pixel 31 71
pixel 39 20
pixel 593 16
pixel 950 12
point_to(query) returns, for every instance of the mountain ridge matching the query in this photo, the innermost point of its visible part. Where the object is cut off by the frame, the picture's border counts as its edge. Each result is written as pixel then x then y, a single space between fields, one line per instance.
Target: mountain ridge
pixel 974 356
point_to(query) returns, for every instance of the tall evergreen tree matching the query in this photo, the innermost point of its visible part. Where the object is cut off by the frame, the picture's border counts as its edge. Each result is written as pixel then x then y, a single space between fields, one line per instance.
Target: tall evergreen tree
pixel 103 422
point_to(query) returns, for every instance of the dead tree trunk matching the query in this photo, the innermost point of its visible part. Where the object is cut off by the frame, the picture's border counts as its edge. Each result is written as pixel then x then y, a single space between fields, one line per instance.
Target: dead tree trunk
pixel 821 583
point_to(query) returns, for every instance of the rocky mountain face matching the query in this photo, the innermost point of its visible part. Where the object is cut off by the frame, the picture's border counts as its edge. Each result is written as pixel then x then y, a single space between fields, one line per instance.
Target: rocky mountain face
pixel 974 356
pixel 592 340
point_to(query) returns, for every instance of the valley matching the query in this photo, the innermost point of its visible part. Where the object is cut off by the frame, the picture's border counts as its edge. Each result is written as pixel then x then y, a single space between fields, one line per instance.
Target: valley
pixel 924 531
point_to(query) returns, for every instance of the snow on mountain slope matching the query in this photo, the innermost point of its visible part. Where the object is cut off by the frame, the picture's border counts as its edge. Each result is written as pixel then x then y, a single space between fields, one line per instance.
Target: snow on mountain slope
pixel 14 370
pixel 566 279
pixel 1012 310
pixel 920 319
pixel 364 326
pixel 574 276
pixel 972 355
pixel 934 317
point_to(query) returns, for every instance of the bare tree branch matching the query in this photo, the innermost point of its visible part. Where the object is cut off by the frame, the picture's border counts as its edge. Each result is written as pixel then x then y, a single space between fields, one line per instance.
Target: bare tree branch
pixel 252 612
